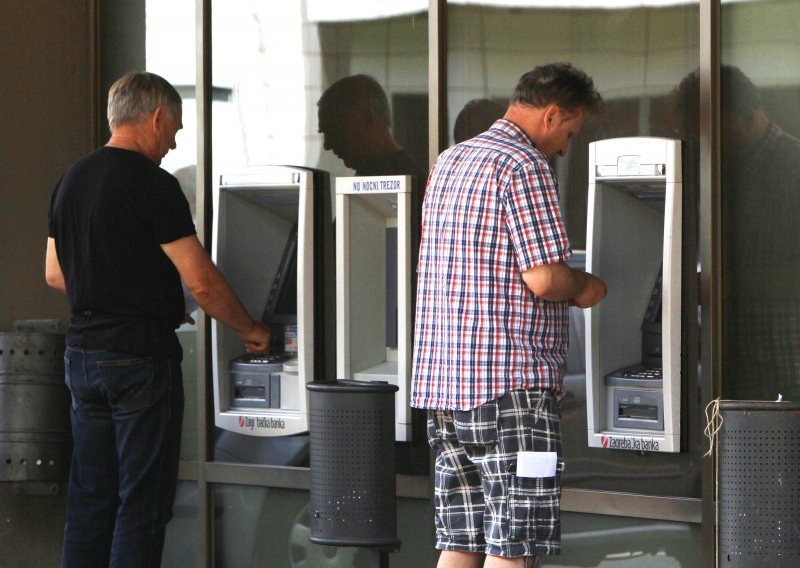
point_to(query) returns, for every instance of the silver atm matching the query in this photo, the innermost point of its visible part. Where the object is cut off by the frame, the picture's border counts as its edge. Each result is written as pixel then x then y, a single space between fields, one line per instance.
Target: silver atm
pixel 374 285
pixel 268 238
pixel 633 337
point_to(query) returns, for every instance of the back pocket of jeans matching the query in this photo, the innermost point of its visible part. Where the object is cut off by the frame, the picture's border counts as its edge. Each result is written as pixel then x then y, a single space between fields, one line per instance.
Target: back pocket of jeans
pixel 128 382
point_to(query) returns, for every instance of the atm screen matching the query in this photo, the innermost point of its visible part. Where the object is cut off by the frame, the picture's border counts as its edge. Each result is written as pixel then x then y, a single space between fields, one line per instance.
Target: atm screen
pixel 652 315
pixel 649 368
pixel 281 305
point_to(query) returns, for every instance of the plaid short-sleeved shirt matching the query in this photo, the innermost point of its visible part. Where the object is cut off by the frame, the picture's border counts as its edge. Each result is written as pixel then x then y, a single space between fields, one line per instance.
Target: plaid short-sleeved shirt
pixel 490 213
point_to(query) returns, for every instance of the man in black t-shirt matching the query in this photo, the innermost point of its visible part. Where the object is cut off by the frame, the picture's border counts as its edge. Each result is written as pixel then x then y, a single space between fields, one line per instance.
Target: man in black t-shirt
pixel 121 239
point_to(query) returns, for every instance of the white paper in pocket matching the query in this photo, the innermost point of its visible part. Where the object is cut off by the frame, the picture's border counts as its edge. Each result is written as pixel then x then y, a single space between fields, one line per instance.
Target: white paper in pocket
pixel 536 464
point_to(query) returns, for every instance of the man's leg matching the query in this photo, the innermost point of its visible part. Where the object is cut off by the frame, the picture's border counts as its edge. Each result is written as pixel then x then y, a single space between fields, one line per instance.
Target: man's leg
pixel 518 562
pixel 455 559
pixel 522 513
pixel 458 497
pixel 459 559
pixel 92 492
pixel 147 418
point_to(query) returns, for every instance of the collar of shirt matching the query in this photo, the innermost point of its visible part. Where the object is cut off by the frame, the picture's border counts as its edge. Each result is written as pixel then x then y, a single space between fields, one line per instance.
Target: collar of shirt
pixel 512 130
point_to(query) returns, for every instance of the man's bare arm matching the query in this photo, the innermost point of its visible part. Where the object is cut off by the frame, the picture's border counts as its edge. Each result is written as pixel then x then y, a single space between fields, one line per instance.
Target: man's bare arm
pixel 558 282
pixel 212 292
pixel 52 268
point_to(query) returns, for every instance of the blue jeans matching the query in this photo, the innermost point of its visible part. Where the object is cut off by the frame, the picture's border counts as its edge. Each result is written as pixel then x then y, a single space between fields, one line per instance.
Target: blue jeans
pixel 127 413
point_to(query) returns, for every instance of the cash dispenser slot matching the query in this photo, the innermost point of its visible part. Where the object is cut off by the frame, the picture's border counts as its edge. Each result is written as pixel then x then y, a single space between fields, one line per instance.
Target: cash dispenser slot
pixel 256 381
pixel 636 397
pixel 636 408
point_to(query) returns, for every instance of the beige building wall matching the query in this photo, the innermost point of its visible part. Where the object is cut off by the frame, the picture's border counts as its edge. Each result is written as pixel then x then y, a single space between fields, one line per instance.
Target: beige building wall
pixel 46 101
pixel 46 106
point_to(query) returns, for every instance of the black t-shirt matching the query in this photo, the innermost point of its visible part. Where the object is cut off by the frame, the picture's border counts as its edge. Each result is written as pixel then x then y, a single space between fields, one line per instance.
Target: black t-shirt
pixel 109 214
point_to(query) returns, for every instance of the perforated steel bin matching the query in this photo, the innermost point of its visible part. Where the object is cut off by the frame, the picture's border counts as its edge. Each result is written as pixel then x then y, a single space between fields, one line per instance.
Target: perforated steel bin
pixel 759 484
pixel 351 425
pixel 35 433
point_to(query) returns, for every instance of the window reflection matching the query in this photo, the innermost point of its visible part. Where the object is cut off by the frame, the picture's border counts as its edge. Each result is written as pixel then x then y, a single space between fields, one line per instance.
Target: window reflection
pixel 355 123
pixel 477 116
pixel 636 55
pixel 760 202
pixel 277 59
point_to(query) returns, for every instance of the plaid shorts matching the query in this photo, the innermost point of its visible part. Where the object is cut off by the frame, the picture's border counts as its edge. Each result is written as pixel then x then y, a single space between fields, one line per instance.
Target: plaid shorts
pixel 481 504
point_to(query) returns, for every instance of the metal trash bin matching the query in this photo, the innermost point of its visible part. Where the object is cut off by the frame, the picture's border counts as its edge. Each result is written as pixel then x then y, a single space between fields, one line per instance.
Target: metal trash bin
pixel 351 425
pixel 35 433
pixel 759 484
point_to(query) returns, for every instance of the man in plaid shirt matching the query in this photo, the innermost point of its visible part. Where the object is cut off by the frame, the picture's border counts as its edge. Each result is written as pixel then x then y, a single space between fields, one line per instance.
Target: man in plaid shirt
pixel 491 328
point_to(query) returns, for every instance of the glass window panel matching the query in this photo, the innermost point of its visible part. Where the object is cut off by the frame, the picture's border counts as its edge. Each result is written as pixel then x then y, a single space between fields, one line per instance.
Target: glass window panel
pixel 170 52
pixel 604 541
pixel 258 526
pixel 180 542
pixel 272 62
pixel 760 199
pixel 637 53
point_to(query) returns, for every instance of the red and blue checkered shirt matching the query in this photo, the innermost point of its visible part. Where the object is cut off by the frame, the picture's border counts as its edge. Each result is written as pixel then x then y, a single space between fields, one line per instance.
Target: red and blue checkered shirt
pixel 490 213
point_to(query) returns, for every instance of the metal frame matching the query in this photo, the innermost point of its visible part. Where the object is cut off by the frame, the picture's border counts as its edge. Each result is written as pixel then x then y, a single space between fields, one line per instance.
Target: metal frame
pixel 205 423
pixel 676 509
pixel 709 246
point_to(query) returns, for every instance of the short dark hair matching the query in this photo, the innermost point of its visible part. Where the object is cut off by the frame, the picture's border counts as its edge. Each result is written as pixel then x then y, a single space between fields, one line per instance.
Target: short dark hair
pixel 557 83
pixel 136 94
pixel 354 93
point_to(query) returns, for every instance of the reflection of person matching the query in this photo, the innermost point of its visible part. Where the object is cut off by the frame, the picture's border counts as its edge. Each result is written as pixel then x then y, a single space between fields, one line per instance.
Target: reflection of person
pixel 761 259
pixel 354 119
pixel 121 239
pixel 476 117
pixel 491 329
pixel 355 122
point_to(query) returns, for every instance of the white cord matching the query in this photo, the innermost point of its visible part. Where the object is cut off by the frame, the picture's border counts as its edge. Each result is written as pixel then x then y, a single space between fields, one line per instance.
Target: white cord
pixel 713 425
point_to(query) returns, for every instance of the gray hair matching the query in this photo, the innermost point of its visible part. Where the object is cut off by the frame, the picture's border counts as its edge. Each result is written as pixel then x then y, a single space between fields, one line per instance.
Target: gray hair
pixel 137 94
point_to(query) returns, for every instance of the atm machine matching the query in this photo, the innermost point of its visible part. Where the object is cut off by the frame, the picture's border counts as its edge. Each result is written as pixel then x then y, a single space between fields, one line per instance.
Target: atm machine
pixel 269 237
pixel 374 283
pixel 633 336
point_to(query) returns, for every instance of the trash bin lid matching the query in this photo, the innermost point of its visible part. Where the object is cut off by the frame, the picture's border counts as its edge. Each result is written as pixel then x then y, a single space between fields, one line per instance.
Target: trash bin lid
pixel 758 405
pixel 346 385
